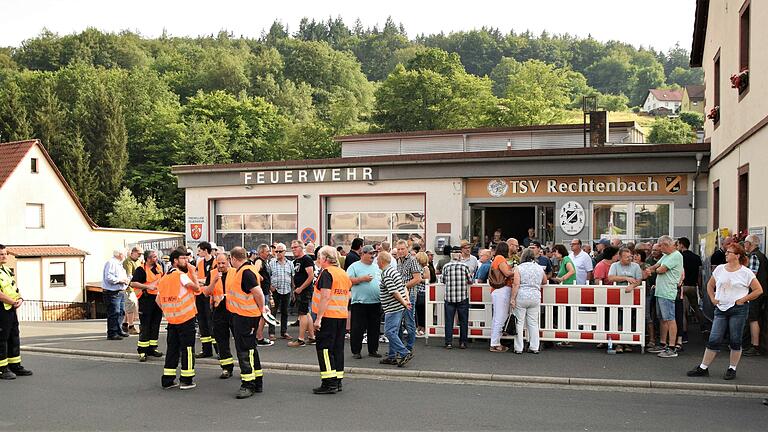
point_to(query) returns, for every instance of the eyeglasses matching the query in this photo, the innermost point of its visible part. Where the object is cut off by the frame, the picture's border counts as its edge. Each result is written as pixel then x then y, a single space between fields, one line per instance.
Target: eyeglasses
pixel 280 251
pixel 730 252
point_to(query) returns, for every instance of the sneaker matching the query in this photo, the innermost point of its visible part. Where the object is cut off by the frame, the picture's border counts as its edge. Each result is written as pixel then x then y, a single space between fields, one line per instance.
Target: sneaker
pixel 132 330
pixel 667 353
pixel 286 336
pixel 698 372
pixel 170 386
pixel 374 355
pixel 264 342
pixel 649 346
pixel 311 341
pixel 383 339
pixel 729 374
pixel 462 346
pixel 388 361
pixel 142 358
pixel 403 360
pixel 115 337
pixel 657 349
pixel 751 352
pixel 297 343
pixel 156 353
pixel 123 334
pixel 357 356
pixel 7 375
pixel 295 323
pixel 225 374
pixel 346 335
pixel 565 345
pixel 244 393
pixel 188 386
pixel 448 346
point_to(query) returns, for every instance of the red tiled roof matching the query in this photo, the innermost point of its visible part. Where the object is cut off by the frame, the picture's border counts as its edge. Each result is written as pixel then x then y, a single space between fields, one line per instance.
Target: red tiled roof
pixel 44 251
pixel 13 153
pixel 667 95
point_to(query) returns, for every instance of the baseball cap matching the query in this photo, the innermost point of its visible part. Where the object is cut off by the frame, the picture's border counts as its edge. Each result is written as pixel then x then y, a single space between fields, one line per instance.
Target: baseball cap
pixel 368 249
pixel 604 241
pixel 252 252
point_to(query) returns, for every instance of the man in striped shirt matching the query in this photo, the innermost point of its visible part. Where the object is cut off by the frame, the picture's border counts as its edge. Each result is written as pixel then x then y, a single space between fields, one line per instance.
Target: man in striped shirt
pixel 395 302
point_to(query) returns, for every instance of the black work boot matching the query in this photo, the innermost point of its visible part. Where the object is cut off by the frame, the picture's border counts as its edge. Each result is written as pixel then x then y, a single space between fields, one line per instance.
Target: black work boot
pixel 6 374
pixel 338 384
pixel 19 370
pixel 244 392
pixel 258 385
pixel 328 386
pixel 206 352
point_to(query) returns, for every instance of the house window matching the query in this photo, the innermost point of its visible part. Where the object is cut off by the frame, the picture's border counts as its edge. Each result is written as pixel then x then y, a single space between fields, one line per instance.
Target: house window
pixel 637 220
pixel 33 216
pixel 33 165
pixel 716 204
pixel 743 204
pixel 716 83
pixel 57 272
pixel 744 36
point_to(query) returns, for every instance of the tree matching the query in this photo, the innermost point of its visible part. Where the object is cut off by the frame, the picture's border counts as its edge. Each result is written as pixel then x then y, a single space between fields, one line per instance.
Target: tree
pixel 694 119
pixel 613 74
pixel 432 92
pixel 128 212
pixel 646 78
pixel 671 131
pixel 684 77
pixel 14 121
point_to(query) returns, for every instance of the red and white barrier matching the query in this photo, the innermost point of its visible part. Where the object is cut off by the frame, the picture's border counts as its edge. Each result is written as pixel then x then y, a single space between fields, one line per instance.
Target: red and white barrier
pixel 569 313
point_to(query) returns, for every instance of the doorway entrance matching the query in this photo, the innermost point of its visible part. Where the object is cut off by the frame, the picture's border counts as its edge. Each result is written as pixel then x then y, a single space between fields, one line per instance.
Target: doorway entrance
pixel 512 221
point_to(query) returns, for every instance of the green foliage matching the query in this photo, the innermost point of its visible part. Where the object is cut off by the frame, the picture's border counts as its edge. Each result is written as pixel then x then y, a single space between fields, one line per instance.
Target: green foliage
pixel 128 212
pixel 671 131
pixel 694 119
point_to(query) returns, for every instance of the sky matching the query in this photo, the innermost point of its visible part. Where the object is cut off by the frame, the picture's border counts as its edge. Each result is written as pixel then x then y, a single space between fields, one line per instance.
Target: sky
pixel 657 23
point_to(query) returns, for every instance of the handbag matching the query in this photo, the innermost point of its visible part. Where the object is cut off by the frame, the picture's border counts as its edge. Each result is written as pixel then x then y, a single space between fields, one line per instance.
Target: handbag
pixel 510 327
pixel 496 278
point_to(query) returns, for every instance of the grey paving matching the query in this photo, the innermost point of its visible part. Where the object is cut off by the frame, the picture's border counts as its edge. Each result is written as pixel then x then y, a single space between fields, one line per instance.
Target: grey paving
pixel 94 394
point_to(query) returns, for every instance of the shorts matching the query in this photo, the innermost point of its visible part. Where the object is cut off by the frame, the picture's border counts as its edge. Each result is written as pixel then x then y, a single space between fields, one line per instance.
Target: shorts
pixel 756 308
pixel 303 300
pixel 131 303
pixel 665 309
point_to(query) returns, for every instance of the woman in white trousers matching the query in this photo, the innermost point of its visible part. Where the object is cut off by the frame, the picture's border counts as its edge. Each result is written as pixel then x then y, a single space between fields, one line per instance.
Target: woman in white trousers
pixel 526 300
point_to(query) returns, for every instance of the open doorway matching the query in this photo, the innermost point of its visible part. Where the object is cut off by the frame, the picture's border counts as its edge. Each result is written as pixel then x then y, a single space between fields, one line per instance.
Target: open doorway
pixel 512 221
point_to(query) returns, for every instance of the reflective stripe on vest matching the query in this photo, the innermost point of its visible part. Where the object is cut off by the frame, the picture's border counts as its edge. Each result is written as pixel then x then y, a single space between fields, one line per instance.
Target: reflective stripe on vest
pixel 337 304
pixel 237 300
pixel 177 309
pixel 151 277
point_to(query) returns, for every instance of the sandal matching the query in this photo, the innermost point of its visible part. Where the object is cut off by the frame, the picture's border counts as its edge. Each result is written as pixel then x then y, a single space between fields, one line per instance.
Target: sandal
pixel 499 349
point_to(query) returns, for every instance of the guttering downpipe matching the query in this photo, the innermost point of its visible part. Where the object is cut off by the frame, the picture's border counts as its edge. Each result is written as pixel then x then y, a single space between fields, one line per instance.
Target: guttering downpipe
pixel 699 157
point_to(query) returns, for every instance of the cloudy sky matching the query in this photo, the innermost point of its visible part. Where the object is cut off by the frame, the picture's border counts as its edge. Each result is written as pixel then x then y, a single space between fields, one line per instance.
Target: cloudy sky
pixel 657 23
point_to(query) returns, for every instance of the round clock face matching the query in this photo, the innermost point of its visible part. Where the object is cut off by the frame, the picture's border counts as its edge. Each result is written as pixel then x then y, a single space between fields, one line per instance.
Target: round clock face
pixel 572 218
pixel 497 188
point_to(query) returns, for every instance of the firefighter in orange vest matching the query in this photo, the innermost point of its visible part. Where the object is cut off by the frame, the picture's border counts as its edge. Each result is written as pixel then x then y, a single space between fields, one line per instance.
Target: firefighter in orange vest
pixel 245 301
pixel 176 297
pixel 222 319
pixel 329 302
pixel 144 282
pixel 205 264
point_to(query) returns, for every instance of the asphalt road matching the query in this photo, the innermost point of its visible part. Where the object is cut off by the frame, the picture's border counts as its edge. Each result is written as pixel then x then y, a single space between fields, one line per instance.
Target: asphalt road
pixel 96 394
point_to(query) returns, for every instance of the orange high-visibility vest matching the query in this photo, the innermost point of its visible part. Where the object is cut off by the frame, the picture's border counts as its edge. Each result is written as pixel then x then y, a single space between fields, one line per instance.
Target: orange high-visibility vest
pixel 151 277
pixel 201 271
pixel 218 289
pixel 177 308
pixel 337 305
pixel 238 301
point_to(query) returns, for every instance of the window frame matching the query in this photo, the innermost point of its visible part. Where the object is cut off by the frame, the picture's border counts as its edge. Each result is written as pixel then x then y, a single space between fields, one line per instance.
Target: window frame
pixel 34 166
pixel 390 233
pixel 631 233
pixel 717 83
pixel 716 204
pixel 41 206
pixel 242 231
pixel 53 284
pixel 745 37
pixel 742 198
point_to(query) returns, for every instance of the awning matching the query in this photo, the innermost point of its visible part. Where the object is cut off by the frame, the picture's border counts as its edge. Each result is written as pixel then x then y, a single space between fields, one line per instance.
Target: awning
pixel 44 251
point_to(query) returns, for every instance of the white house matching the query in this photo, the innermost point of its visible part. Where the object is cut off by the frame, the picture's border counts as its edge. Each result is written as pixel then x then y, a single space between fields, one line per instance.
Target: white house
pixel 55 247
pixel 663 101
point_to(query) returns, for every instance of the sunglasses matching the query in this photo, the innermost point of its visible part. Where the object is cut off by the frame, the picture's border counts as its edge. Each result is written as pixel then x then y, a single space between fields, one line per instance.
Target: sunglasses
pixel 280 251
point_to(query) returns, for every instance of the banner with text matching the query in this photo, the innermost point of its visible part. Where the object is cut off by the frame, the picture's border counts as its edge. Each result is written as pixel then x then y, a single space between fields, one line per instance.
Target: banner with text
pixel 566 186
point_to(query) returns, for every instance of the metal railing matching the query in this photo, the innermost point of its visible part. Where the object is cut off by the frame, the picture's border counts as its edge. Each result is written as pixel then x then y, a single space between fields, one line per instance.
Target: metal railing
pixel 43 310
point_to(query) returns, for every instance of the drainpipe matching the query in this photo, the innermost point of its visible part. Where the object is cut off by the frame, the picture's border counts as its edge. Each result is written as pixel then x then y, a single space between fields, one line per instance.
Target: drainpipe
pixel 699 157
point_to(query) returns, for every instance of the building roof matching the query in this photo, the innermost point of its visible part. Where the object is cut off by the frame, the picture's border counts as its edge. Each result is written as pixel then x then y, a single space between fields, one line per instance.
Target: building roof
pixel 44 251
pixel 13 154
pixel 667 95
pixel 473 131
pixel 570 152
pixel 695 92
pixel 699 32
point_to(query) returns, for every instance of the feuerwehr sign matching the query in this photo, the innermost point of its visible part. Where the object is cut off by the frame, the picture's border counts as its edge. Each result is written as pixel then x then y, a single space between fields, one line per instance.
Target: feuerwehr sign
pixel 314 175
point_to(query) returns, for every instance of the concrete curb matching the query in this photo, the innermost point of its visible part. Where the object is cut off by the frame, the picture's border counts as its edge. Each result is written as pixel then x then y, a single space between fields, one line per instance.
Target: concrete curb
pixel 461 376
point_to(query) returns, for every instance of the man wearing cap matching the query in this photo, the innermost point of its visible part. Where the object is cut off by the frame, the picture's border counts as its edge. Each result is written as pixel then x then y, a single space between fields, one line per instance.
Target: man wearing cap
pixel 599 248
pixel 457 279
pixel 467 258
pixel 366 303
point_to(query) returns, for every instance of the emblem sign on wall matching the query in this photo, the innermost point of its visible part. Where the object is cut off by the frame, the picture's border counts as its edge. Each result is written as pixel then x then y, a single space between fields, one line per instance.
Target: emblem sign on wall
pixel 196 227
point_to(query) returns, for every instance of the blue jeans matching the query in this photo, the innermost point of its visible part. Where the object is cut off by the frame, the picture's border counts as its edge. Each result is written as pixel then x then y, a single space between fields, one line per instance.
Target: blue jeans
pixel 115 301
pixel 409 321
pixel 731 321
pixel 392 321
pixel 462 308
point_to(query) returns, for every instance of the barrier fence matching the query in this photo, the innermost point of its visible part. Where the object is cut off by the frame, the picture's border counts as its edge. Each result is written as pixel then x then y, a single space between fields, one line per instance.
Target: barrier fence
pixel 569 313
pixel 39 310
